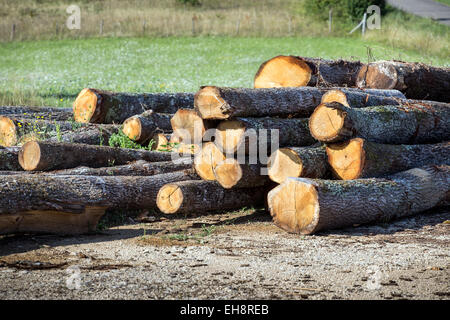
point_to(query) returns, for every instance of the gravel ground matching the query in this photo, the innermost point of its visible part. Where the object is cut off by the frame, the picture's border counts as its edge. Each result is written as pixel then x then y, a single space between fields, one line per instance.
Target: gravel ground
pixel 238 255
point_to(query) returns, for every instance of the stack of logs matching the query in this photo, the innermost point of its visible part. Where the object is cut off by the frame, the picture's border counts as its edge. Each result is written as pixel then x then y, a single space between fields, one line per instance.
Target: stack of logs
pixel 355 143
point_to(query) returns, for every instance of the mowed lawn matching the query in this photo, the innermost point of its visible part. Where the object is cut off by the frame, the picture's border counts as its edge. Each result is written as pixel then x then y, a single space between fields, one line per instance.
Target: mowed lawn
pixel 53 72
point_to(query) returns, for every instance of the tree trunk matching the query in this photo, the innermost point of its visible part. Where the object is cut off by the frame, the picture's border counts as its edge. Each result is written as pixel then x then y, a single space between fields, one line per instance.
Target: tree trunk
pixel 308 162
pixel 33 112
pixel 305 206
pixel 45 156
pixel 293 71
pixel 358 158
pixel 205 196
pixel 51 221
pixel 231 174
pixel 224 103
pixel 142 127
pixel 9 159
pixel 98 106
pixel 250 135
pixel 415 80
pixel 405 124
pixel 94 134
pixel 206 160
pixel 74 193
pixel 361 99
pixel 188 127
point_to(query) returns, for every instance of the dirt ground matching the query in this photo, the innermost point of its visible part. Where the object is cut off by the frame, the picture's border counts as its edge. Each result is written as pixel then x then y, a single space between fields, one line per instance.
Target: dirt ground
pixel 237 255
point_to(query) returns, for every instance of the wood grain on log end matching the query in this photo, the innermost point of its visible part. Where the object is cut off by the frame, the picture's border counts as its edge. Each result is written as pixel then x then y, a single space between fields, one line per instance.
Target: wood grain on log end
pixel 284 163
pixel 294 206
pixel 85 105
pixel 207 159
pixel 30 156
pixel 335 96
pixel 8 132
pixel 230 135
pixel 383 76
pixel 208 103
pixel 132 128
pixel 169 198
pixel 188 126
pixel 228 173
pixel 161 141
pixel 347 159
pixel 283 71
pixel 327 122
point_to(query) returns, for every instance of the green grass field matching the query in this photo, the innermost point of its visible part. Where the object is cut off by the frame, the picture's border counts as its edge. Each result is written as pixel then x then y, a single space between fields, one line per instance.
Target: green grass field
pixel 53 72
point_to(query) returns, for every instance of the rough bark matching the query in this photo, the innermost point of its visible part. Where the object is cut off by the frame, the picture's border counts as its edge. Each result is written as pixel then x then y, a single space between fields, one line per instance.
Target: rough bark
pixel 231 174
pixel 361 99
pixel 404 124
pixel 34 111
pixel 294 71
pixel 94 134
pixel 98 106
pixel 249 135
pixel 142 127
pixel 415 80
pixel 224 103
pixel 305 206
pixel 205 196
pixel 308 162
pixel 358 158
pixel 45 156
pixel 9 159
pixel 74 193
pixel 47 116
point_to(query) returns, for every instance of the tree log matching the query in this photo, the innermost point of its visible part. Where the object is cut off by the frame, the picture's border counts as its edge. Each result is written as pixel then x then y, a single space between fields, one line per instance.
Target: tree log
pixel 98 106
pixel 229 173
pixel 9 159
pixel 415 80
pixel 44 116
pixel 308 162
pixel 358 99
pixel 205 196
pixel 249 135
pixel 359 158
pixel 206 160
pixel 292 71
pixel 142 127
pixel 74 193
pixel 34 111
pixel 405 124
pixel 188 127
pixel 305 206
pixel 94 134
pixel 45 156
pixel 224 103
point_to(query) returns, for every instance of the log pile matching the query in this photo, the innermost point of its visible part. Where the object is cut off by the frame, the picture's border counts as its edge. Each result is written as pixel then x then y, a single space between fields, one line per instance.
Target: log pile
pixel 322 144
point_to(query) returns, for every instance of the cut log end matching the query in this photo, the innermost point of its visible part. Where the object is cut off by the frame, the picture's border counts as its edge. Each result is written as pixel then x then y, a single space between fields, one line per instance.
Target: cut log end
pixel 169 198
pixel 228 173
pixel 85 105
pixel 283 71
pixel 132 128
pixel 347 159
pixel 208 103
pixel 284 163
pixel 326 123
pixel 30 156
pixel 294 206
pixel 206 160
pixel 383 76
pixel 160 142
pixel 335 96
pixel 188 126
pixel 229 135
pixel 8 133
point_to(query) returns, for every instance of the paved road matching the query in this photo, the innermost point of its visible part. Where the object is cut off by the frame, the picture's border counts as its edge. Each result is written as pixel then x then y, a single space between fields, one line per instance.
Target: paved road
pixel 424 8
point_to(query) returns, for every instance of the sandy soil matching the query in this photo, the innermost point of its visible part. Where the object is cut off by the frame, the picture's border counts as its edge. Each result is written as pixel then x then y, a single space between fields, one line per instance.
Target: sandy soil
pixel 238 255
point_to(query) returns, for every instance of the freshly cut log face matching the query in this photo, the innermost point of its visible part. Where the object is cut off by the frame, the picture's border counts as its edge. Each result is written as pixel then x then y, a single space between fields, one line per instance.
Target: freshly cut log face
pixel 206 160
pixel 205 196
pixel 359 158
pixel 305 206
pixel 142 127
pixel 416 80
pixel 403 124
pixel 188 126
pixel 231 174
pixel 69 193
pixel 283 71
pixel 309 162
pixel 44 156
pixel 293 71
pixel 161 142
pixel 9 159
pixel 248 134
pixel 98 106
